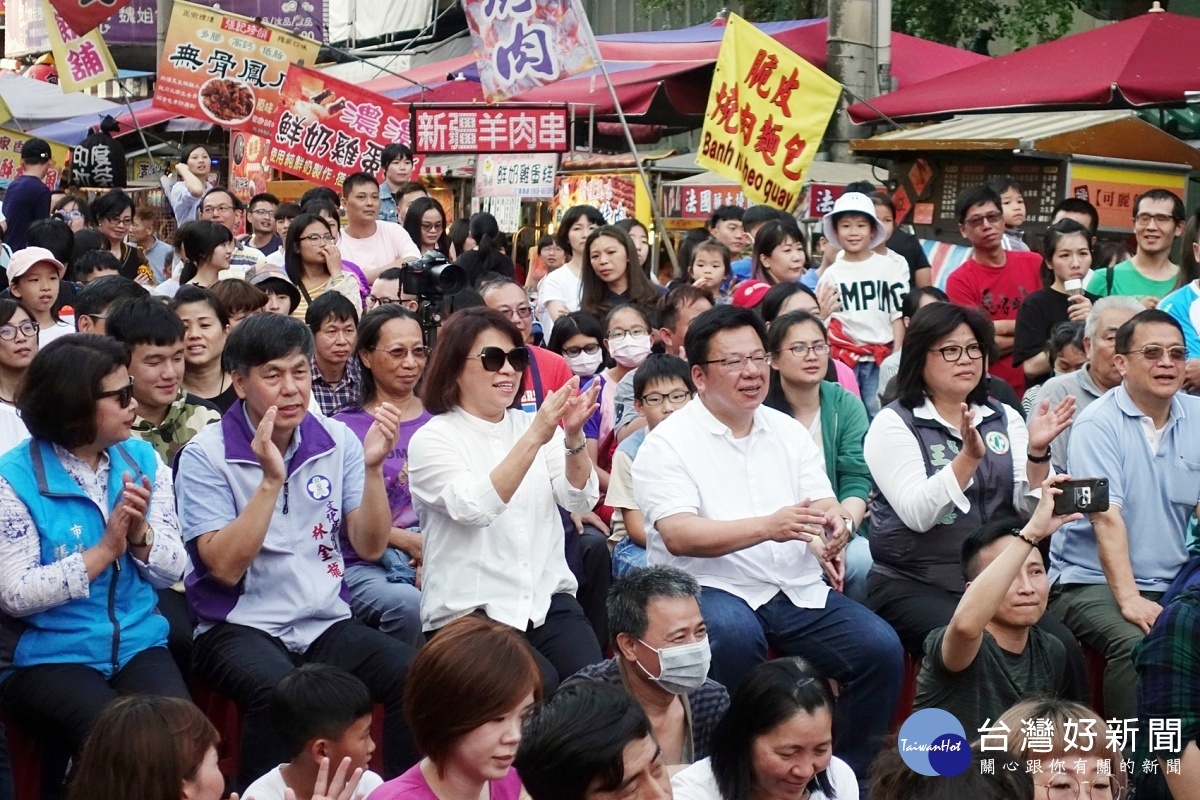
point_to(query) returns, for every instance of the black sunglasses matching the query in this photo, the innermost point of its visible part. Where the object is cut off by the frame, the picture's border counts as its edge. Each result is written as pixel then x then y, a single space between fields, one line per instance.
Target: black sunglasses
pixel 124 395
pixel 492 358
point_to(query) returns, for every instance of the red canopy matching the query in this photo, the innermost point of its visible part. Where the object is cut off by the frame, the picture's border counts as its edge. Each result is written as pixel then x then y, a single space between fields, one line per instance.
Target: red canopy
pixel 1144 61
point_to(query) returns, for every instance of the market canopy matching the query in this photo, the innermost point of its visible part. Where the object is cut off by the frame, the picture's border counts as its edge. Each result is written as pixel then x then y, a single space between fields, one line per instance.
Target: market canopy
pixel 1149 60
pixel 35 102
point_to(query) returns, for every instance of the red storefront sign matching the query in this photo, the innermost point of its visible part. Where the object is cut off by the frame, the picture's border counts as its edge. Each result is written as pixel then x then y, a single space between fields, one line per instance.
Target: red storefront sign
pixel 697 201
pixel 463 129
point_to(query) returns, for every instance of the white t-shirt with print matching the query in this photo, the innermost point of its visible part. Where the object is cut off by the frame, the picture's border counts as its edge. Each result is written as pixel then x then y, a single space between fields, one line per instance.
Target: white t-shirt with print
pixel 272 787
pixel 871 293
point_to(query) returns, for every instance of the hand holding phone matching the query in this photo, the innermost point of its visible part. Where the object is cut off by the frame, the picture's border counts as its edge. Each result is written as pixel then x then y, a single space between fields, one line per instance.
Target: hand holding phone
pixel 1085 496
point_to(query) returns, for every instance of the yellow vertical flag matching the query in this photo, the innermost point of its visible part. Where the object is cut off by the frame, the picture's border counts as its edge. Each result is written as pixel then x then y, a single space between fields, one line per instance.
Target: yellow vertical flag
pixel 766 115
pixel 82 61
pixel 6 115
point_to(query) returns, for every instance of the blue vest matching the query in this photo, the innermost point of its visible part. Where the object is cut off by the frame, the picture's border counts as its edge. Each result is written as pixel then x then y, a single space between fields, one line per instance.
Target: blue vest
pixel 119 618
pixel 935 556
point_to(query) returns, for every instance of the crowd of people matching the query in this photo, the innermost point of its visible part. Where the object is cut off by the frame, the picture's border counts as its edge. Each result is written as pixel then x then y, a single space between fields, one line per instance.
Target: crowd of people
pixel 234 464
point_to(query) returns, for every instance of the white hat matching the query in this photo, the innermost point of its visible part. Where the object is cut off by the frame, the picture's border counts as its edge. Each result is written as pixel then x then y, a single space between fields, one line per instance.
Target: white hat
pixel 859 203
pixel 27 258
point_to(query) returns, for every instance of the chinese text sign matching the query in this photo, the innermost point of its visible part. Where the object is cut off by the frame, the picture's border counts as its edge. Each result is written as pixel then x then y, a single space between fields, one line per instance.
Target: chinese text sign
pixel 441 129
pixel 82 60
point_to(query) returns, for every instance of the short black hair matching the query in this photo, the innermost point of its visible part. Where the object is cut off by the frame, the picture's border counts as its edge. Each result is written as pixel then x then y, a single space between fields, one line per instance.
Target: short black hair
pixel 234 200
pixel 912 300
pixel 320 193
pixel 1002 183
pixel 317 701
pixel 85 240
pixel 777 295
pixel 287 210
pixel 1126 332
pixel 330 305
pixel 146 320
pixel 630 596
pixel 263 197
pixel 191 293
pixel 110 205
pixel 1177 209
pixel 928 325
pixel 1077 205
pixel 974 196
pixel 54 234
pixel 578 739
pixel 724 214
pixel 58 397
pixel 355 179
pixel 1063 335
pixel 392 152
pixel 980 538
pixel 95 298
pixel 674 300
pixel 861 187
pixel 91 261
pixel 758 214
pixel 661 367
pixel 719 318
pixel 546 240
pixel 261 338
pixel 391 274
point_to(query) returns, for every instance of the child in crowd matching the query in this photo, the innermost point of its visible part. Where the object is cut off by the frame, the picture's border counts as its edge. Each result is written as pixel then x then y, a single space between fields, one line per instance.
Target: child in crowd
pixel 661 386
pixel 872 288
pixel 94 264
pixel 1012 205
pixel 709 269
pixel 33 277
pixel 320 712
pixel 240 298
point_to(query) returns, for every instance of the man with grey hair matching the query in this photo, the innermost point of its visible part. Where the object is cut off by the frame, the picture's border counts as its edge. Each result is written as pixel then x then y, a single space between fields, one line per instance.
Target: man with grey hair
pixel 662 659
pixel 1099 374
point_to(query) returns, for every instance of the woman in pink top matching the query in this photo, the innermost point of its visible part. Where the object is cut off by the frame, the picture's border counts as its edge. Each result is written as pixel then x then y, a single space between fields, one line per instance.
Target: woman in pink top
pixel 467 695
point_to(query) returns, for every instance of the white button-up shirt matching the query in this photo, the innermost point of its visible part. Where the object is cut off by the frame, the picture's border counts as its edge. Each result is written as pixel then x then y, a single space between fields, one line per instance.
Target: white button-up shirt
pixel 691 463
pixel 480 553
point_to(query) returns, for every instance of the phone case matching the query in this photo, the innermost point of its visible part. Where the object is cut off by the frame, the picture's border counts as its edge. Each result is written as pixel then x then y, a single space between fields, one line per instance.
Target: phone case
pixel 1087 495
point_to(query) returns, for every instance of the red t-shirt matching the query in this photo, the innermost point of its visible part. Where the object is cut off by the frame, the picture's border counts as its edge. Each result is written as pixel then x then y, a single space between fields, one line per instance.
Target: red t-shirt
pixel 998 292
pixel 552 372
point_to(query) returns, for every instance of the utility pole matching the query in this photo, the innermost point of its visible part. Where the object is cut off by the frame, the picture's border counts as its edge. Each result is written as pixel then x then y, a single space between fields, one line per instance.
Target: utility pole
pixel 856 33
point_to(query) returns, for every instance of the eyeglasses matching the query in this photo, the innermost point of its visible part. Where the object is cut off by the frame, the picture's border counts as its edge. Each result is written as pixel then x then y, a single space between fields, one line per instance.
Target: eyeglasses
pixel 573 352
pixel 635 331
pixel 991 219
pixel 262 212
pixel 221 209
pixel 801 350
pixel 1161 219
pixel 954 352
pixel 420 352
pixel 733 364
pixel 120 222
pixel 316 237
pixel 375 302
pixel 124 395
pixel 524 312
pixel 69 214
pixel 28 328
pixel 1065 786
pixel 657 398
pixel 492 358
pixel 1154 352
pixel 432 226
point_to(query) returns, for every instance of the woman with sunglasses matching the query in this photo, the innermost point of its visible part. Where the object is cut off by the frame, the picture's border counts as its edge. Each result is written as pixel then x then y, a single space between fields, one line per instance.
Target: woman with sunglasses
pixel 112 215
pixel 313 262
pixel 89 532
pixel 392 352
pixel 425 222
pixel 486 479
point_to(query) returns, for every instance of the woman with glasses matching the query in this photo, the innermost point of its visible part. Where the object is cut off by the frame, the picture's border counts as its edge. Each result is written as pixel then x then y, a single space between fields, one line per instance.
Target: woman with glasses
pixel 836 420
pixel 425 222
pixel 89 533
pixel 1068 742
pixel 112 215
pixel 18 346
pixel 73 210
pixel 945 458
pixel 392 352
pixel 313 262
pixel 611 275
pixel 486 479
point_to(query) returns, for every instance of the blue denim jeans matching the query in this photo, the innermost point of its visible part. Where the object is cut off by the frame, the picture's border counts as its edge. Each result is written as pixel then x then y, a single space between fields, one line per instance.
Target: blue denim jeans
pixel 392 606
pixel 858 564
pixel 626 557
pixel 843 641
pixel 867 373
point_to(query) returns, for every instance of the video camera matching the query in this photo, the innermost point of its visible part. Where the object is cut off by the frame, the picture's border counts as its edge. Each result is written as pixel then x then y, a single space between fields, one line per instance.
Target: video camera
pixel 432 276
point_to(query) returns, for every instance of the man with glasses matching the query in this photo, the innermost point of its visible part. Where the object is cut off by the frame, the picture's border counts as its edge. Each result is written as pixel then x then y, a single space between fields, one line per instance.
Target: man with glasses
pixel 223 207
pixel 547 372
pixel 1108 572
pixel 262 236
pixel 1150 275
pixel 993 279
pixel 736 494
pixel 387 289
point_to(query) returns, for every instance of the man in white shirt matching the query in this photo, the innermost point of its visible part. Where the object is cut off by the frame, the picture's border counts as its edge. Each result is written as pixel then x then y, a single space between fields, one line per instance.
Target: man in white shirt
pixel 736 494
pixel 369 243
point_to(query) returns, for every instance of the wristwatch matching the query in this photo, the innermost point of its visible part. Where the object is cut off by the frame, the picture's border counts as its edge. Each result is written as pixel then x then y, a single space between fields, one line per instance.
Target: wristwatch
pixel 147 541
pixel 1038 459
pixel 849 527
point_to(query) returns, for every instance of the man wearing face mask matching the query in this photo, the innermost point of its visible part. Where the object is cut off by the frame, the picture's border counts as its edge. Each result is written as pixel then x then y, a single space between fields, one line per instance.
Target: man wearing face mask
pixel 662 659
pixel 547 372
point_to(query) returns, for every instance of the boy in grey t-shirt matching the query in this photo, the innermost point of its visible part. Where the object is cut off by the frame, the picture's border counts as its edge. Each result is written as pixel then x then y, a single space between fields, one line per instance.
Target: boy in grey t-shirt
pixel 992 654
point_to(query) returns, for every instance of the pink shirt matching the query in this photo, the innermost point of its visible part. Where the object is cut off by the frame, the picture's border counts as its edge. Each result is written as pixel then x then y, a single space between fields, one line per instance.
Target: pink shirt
pixel 412 786
pixel 389 242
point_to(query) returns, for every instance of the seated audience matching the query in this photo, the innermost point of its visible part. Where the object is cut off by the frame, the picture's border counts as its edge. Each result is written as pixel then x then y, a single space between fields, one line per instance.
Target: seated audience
pixel 784 298
pixel 387 289
pixel 591 742
pixel 561 291
pixel 466 466
pixel 662 659
pixel 1108 571
pixel 893 779
pixel 548 371
pixel 469 692
pixel 992 653
pixel 336 373
pixel 206 326
pixel 1064 351
pixel 267 582
pixel 776 740
pixel 239 298
pixel 1073 748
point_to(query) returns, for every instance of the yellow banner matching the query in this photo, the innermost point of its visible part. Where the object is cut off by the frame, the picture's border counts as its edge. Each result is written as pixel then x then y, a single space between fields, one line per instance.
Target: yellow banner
pixel 82 61
pixel 766 115
pixel 10 158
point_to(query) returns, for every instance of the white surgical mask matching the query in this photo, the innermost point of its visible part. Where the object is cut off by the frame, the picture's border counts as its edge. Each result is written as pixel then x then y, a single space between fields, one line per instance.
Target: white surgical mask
pixel 682 668
pixel 585 364
pixel 631 351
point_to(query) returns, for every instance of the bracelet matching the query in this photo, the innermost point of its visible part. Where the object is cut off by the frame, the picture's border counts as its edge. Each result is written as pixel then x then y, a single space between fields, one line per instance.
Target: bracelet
pixel 1021 535
pixel 1038 459
pixel 574 451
